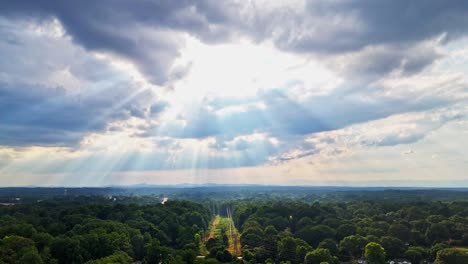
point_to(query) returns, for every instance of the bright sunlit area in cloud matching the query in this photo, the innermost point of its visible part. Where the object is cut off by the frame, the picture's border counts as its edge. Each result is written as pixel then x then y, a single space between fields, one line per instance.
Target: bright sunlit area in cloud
pixel 243 68
pixel 303 92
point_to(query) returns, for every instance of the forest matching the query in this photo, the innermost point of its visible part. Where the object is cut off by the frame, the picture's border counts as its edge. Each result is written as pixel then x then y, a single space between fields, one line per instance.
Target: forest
pixel 258 226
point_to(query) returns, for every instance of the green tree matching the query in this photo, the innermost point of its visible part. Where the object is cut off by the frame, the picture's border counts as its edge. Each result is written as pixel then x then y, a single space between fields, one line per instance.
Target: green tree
pixel 374 253
pixel 437 232
pixel 153 252
pixel 224 256
pixel 43 240
pixel 67 250
pixel 119 257
pixel 248 256
pixel 303 222
pixel 270 231
pixel 345 230
pixel 353 245
pixel 251 240
pixel 314 235
pixel 329 244
pixel 287 249
pixel 452 256
pixel 280 223
pixel 30 257
pixel 394 247
pixel 17 249
pixel 400 231
pixel 414 256
pixel 301 252
pixel 260 254
pixel 212 243
pixel 434 249
pixel 138 246
pixel 320 255
pixel 189 256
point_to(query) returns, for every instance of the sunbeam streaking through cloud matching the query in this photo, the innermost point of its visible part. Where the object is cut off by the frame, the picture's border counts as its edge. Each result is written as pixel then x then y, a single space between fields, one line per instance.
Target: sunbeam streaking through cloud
pixel 303 92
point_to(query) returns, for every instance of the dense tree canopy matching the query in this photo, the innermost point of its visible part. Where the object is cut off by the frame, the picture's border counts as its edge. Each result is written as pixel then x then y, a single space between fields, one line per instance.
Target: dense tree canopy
pixel 96 229
pixel 99 231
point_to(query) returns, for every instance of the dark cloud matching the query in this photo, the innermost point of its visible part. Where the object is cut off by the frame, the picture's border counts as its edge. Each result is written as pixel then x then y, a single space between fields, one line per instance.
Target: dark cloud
pixel 144 32
pixel 53 93
pixel 40 115
pixel 385 35
pixel 374 62
pixel 352 25
pixel 96 24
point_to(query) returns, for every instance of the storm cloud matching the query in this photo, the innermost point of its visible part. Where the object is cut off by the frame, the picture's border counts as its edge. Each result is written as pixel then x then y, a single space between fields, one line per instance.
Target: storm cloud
pixel 101 78
pixel 146 32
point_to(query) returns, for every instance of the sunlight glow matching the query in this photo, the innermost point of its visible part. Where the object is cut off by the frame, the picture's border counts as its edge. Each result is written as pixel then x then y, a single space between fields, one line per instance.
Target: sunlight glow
pixel 250 92
pixel 242 69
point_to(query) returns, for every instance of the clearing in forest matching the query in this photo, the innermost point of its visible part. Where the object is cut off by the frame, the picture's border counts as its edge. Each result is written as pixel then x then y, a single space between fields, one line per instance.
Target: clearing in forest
pixel 213 227
pixel 225 226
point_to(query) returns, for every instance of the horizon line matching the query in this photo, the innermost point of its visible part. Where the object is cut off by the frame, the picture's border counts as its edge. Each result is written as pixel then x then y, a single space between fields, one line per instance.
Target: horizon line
pixel 190 185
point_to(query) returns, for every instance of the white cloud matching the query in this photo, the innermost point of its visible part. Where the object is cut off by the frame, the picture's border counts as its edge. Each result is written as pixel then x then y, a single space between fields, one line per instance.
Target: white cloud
pixel 304 91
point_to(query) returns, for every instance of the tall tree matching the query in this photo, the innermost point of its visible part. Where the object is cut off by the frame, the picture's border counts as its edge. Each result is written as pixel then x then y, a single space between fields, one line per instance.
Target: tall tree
pixel 375 253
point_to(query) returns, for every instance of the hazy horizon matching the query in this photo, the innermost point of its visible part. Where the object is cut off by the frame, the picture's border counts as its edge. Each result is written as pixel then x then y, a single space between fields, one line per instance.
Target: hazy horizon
pixel 319 93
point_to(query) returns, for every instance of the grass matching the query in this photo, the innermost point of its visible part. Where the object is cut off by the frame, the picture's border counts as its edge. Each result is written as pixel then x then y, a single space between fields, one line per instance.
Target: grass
pixel 220 226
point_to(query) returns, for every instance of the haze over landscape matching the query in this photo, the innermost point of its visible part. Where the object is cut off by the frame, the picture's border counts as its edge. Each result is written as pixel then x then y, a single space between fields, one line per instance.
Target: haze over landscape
pixel 343 93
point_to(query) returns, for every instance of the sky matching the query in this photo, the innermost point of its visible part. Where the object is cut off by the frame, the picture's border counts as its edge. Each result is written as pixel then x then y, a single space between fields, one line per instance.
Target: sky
pixel 312 92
